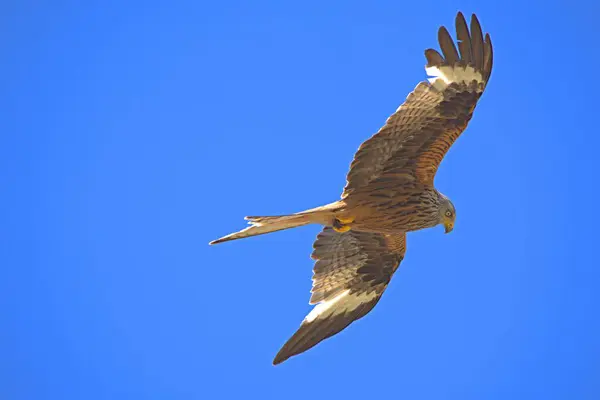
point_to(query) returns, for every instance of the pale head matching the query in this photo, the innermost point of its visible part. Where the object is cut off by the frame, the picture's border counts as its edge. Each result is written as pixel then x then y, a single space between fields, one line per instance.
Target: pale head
pixel 447 213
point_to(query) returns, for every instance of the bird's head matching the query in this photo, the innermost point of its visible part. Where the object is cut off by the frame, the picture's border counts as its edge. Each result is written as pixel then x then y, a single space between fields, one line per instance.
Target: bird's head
pixel 447 214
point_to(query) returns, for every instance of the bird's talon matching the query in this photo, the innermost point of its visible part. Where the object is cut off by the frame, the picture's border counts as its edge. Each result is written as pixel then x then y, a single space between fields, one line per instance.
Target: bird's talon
pixel 340 226
pixel 345 221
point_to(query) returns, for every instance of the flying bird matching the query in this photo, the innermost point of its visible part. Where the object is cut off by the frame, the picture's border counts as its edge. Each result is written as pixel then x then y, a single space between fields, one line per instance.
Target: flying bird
pixel 389 190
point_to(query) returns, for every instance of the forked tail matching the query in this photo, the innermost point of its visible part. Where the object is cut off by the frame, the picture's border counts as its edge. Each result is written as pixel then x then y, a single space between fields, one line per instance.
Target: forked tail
pixel 261 225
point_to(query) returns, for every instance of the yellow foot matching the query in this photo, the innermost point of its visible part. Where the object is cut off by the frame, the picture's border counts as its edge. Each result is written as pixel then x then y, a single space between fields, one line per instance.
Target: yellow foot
pixel 342 225
pixel 341 228
pixel 345 221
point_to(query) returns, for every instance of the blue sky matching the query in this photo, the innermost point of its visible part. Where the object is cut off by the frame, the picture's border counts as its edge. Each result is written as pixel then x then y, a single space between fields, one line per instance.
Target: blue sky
pixel 132 134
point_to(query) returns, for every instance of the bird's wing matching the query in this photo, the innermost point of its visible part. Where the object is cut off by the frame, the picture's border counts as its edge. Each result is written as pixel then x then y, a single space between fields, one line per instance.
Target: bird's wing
pixel 414 140
pixel 351 272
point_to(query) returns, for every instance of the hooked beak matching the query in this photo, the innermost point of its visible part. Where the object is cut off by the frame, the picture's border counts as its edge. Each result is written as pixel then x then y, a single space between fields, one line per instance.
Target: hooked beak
pixel 448 227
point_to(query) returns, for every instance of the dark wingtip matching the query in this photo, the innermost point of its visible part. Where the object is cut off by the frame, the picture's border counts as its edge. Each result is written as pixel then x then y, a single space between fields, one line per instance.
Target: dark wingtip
pixel 447 46
pixel 460 19
pixel 463 38
pixel 433 58
pixel 470 47
pixel 488 56
pixel 477 42
pixel 279 358
pixel 474 18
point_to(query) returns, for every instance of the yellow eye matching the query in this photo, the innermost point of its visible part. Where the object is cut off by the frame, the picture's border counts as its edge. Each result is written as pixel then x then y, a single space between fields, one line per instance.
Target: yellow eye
pixel 448 213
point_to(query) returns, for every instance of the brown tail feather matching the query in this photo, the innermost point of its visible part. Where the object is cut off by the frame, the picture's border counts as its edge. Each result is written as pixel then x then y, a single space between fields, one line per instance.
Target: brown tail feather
pixel 261 225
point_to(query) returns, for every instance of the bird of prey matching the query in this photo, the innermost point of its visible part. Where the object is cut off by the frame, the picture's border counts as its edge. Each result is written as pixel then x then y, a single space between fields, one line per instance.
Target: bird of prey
pixel 389 190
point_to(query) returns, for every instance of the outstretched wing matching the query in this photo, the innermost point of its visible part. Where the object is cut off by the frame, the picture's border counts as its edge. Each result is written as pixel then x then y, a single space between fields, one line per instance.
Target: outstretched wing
pixel 415 139
pixel 351 272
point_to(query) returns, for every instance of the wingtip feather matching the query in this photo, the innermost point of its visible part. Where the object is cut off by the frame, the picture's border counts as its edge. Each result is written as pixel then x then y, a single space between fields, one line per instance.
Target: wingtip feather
pixel 476 43
pixel 474 62
pixel 447 46
pixel 279 359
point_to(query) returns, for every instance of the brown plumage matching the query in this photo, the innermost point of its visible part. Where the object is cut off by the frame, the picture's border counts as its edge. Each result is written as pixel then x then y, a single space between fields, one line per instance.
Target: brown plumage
pixel 389 190
pixel 357 266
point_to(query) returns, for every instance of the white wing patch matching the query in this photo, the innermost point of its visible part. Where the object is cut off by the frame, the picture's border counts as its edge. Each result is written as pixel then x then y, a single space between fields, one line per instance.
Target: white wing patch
pixel 445 75
pixel 344 302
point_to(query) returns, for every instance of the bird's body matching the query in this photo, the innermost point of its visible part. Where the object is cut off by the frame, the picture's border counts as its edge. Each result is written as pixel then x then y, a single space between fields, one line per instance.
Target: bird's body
pixel 386 211
pixel 389 190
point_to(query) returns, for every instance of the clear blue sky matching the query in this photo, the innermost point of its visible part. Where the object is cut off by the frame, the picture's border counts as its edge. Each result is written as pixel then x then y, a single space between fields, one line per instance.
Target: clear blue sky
pixel 132 134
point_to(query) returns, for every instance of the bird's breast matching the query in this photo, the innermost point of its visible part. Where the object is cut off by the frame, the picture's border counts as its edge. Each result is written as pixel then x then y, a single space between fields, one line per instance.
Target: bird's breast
pixel 405 213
